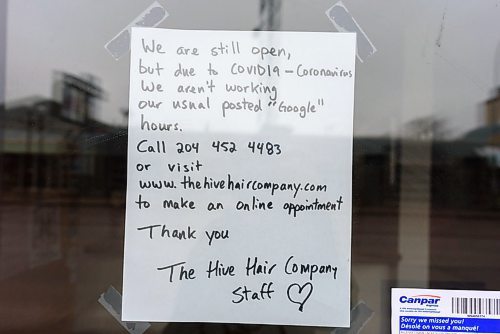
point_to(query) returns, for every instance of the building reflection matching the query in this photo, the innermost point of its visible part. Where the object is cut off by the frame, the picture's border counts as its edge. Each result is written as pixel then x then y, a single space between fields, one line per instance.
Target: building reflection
pixel 57 148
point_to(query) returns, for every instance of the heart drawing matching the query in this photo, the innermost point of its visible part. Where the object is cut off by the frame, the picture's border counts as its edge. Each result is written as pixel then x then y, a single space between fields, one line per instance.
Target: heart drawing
pixel 299 294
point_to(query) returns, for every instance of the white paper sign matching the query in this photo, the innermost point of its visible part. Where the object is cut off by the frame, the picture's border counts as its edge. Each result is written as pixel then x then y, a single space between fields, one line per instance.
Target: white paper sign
pixel 239 177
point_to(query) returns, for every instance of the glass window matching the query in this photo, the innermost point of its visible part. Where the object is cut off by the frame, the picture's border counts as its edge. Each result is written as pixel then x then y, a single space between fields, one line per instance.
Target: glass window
pixel 426 164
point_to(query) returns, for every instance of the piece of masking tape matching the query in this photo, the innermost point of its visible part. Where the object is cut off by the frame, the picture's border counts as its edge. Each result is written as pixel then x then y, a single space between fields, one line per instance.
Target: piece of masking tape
pixel 360 315
pixel 151 17
pixel 111 300
pixel 344 22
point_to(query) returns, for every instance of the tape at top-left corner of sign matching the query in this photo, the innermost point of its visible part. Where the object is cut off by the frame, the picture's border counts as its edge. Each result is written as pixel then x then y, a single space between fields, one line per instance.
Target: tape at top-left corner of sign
pixel 111 300
pixel 151 17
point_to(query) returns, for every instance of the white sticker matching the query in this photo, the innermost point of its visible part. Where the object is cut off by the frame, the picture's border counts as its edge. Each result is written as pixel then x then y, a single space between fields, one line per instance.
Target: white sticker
pixel 429 311
pixel 239 177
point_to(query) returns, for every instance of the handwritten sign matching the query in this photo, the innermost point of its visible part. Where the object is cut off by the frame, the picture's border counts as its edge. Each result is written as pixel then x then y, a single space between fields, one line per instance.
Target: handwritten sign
pixel 239 177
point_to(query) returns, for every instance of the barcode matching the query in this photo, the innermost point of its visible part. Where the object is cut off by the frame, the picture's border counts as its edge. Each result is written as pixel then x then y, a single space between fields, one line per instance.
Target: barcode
pixel 486 306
